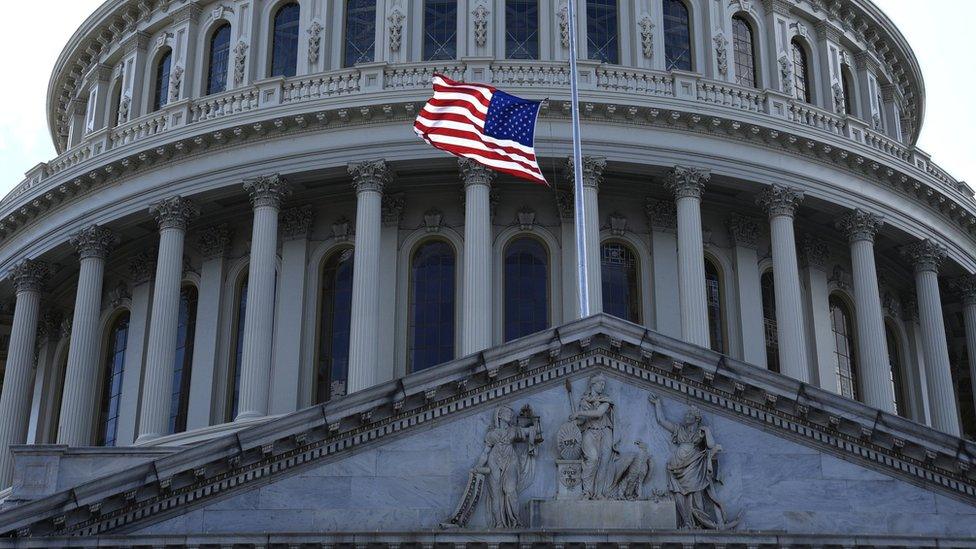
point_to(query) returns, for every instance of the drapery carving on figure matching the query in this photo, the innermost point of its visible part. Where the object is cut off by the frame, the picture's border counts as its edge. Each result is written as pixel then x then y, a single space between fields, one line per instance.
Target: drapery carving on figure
pixel 595 417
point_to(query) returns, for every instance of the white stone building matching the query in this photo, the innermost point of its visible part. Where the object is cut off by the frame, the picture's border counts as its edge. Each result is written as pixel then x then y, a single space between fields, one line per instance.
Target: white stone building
pixel 246 306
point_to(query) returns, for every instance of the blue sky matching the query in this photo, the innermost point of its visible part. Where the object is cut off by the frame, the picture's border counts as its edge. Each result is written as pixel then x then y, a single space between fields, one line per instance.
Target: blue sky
pixel 938 30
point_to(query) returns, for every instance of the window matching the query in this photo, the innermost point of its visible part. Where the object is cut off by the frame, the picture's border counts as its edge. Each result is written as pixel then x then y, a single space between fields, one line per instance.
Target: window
pixel 769 320
pixel 897 374
pixel 431 329
pixel 217 63
pixel 801 73
pixel 677 36
pixel 185 333
pixel 744 51
pixel 335 316
pixel 621 281
pixel 881 113
pixel 526 284
pixel 161 96
pixel 844 360
pixel 713 294
pixel 440 29
pixel 108 419
pixel 284 51
pixel 116 104
pixel 847 81
pixel 237 358
pixel 601 31
pixel 360 43
pixel 522 29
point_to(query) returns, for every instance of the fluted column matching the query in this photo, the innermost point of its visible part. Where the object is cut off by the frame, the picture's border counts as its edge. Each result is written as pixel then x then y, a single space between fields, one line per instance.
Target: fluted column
pixel 369 179
pixel 781 203
pixel 266 194
pixel 687 184
pixel 593 167
pixel 967 291
pixel 476 323
pixel 872 346
pixel 81 373
pixel 172 215
pixel 18 378
pixel 927 256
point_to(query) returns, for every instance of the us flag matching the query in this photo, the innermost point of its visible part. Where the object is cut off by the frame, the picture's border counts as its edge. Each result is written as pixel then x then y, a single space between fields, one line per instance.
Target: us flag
pixel 479 122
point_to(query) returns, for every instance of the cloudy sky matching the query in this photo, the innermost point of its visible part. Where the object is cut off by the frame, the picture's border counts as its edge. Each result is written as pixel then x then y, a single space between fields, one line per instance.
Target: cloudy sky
pixel 938 30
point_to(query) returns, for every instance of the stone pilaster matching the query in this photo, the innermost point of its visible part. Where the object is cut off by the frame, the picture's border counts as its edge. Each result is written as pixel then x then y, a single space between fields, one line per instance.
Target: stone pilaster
pixel 214 241
pixel 687 185
pixel 966 286
pixel 296 222
pixel 592 168
pixel 744 233
pixel 476 323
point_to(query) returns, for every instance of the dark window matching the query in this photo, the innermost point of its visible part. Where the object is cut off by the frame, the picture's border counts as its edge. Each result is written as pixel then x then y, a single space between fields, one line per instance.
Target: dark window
pixel 237 358
pixel 801 73
pixel 431 330
pixel 108 419
pixel 769 320
pixel 602 41
pixel 161 96
pixel 284 51
pixel 526 286
pixel 440 29
pixel 897 374
pixel 522 29
pixel 677 36
pixel 360 42
pixel 713 293
pixel 621 281
pixel 185 333
pixel 847 82
pixel 334 324
pixel 844 361
pixel 744 49
pixel 217 63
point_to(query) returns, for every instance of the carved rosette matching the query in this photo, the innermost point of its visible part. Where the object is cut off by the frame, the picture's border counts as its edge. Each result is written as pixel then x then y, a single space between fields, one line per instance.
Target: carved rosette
pixel 593 167
pixel 687 182
pixel 860 225
pixel 296 222
pixel 778 200
pixel 93 242
pixel 392 209
pixel 214 241
pixel 813 252
pixel 925 255
pixel 966 287
pixel 744 231
pixel 662 215
pixel 174 212
pixel 29 275
pixel 142 267
pixel 267 191
pixel 475 173
pixel 372 175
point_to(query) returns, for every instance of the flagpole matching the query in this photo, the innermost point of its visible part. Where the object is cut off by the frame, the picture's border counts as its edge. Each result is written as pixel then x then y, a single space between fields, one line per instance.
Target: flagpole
pixel 580 212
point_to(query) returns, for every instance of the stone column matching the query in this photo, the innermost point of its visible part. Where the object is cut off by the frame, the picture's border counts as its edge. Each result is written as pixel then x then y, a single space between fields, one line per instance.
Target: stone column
pixel 872 346
pixel 389 244
pixel 172 215
pixel 75 426
pixel 266 194
pixel 593 167
pixel 663 219
pixel 781 203
pixel 927 256
pixel 141 271
pixel 369 179
pixel 820 349
pixel 476 322
pixel 917 386
pixel 18 379
pixel 567 256
pixel 687 184
pixel 967 291
pixel 744 233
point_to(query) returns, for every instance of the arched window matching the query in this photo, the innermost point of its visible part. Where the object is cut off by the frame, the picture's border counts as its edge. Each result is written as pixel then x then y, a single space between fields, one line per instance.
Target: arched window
pixel 360 35
pixel 161 96
pixel 744 50
pixel 602 39
pixel 526 284
pixel 714 293
pixel 521 29
pixel 217 61
pixel 284 49
pixel 619 272
pixel 801 72
pixel 335 315
pixel 847 81
pixel 108 418
pixel 185 334
pixel 842 324
pixel 769 320
pixel 240 311
pixel 897 374
pixel 432 283
pixel 677 36
pixel 440 29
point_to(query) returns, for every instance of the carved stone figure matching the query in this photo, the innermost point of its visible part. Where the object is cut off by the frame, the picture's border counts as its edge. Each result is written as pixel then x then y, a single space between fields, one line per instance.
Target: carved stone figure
pixel 692 470
pixel 632 471
pixel 596 420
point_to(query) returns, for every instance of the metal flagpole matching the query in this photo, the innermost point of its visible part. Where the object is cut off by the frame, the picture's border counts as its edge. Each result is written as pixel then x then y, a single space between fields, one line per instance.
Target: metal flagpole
pixel 580 213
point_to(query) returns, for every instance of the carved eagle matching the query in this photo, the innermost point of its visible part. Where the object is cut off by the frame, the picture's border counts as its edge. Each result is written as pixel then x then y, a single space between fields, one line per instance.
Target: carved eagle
pixel 632 471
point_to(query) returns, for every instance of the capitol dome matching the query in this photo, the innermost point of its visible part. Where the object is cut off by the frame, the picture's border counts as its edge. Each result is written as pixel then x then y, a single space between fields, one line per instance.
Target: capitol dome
pixel 246 306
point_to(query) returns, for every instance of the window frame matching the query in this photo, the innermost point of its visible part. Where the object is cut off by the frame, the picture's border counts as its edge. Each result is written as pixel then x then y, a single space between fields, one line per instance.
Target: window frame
pixel 109 351
pixel 846 305
pixel 637 300
pixel 179 414
pixel 771 344
pixel 411 299
pixel 273 42
pixel 618 53
pixel 798 45
pixel 335 252
pixel 211 35
pixel 743 18
pixel 547 262
pixel 159 97
pixel 537 28
pixel 691 35
pixel 426 56
pixel 345 37
pixel 722 305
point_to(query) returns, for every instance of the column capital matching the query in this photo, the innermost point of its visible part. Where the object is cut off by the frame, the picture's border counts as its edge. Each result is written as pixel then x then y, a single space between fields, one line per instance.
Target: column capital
pixel 661 214
pixel 392 209
pixel 267 190
pixel 142 267
pixel 94 241
pixel 813 252
pixel 592 168
pixel 296 222
pixel 780 200
pixel 475 173
pixel 214 241
pixel 966 286
pixel 174 212
pixel 744 231
pixel 565 205
pixel 860 225
pixel 687 182
pixel 925 255
pixel 29 275
pixel 371 175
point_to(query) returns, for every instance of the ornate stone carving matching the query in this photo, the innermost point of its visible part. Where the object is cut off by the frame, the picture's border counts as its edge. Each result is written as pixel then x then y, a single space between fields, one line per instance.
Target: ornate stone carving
pixel 314 42
pixel 372 175
pixel 661 214
pixel 433 220
pixel 813 252
pixel 174 212
pixel 396 18
pixel 392 209
pixel 340 229
pixel 117 295
pixel 124 104
pixel 909 306
pixel 593 167
pixel 526 218
pixel 840 278
pixel 296 222
pixel 565 204
pixel 891 304
pixel 49 325
pixel 839 99
pixel 175 83
pixel 142 267
pixel 93 242
pixel 925 255
pixel 65 327
pixel 687 182
pixel 860 225
pixel 646 30
pixel 267 191
pixel 480 19
pixel 966 288
pixel 785 73
pixel 29 275
pixel 475 173
pixel 780 200
pixel 618 224
pixel 595 418
pixel 632 471
pixel 563 14
pixel 240 62
pixel 744 231
pixel 214 241
pixel 721 53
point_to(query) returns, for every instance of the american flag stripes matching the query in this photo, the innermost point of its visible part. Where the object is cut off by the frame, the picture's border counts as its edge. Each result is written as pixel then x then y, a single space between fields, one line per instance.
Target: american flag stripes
pixel 479 122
